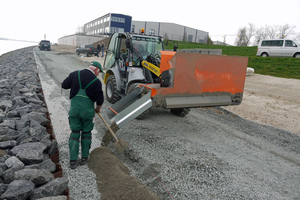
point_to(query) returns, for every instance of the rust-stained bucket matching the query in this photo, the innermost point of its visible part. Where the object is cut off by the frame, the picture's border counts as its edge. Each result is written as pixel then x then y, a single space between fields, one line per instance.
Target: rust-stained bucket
pixel 202 80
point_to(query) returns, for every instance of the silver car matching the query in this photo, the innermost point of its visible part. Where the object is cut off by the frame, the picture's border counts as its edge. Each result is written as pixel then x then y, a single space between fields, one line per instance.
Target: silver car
pixel 278 48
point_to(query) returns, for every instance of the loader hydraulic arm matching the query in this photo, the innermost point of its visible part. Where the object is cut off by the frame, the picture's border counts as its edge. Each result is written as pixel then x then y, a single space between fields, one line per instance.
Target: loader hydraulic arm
pixel 153 68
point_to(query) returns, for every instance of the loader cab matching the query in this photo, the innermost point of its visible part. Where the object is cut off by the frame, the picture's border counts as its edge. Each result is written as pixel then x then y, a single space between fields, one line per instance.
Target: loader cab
pixel 123 62
pixel 123 46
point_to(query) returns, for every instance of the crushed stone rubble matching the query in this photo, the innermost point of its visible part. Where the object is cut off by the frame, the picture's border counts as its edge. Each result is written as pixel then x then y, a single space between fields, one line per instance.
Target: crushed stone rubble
pixel 28 150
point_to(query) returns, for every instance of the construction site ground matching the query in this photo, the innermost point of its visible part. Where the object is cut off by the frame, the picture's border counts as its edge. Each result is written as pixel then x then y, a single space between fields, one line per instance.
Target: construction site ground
pixel 249 151
pixel 268 100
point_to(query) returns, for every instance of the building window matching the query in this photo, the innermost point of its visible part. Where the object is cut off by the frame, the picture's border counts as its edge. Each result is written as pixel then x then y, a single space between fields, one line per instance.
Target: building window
pixel 151 32
pixel 116 29
pixel 190 38
pixel 118 19
pixel 132 28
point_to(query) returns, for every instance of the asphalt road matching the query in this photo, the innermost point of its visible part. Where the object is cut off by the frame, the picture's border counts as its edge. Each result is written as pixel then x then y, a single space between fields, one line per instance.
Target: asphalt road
pixel 209 154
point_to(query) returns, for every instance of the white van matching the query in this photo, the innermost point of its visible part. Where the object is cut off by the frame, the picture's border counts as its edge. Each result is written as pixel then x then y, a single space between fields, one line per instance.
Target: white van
pixel 280 47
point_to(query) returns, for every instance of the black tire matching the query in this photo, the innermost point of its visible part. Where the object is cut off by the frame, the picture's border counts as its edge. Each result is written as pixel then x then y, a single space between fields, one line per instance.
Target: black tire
pixel 87 54
pixel 297 55
pixel 181 112
pixel 264 55
pixel 77 52
pixel 131 88
pixel 111 92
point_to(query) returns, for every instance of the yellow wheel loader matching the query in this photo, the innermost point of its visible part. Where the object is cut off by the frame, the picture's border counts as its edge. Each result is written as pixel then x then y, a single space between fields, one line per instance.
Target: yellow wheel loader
pixel 139 74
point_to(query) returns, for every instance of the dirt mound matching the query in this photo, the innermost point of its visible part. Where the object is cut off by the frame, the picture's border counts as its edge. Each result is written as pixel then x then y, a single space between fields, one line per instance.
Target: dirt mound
pixel 64 48
pixel 113 178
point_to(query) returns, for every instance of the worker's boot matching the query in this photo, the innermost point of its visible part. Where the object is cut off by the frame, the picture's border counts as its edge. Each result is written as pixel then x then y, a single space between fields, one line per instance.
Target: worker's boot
pixel 74 164
pixel 84 161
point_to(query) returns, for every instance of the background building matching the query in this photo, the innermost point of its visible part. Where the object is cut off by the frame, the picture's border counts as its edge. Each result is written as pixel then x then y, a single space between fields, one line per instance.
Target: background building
pixel 98 29
pixel 170 31
pixel 112 22
pixel 108 24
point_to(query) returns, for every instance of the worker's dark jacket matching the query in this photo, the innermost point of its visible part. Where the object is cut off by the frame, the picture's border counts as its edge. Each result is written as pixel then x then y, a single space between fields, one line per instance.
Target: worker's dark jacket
pixel 94 91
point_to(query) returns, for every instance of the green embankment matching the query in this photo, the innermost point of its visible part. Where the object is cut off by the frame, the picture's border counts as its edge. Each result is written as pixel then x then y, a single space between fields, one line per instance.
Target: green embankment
pixel 274 66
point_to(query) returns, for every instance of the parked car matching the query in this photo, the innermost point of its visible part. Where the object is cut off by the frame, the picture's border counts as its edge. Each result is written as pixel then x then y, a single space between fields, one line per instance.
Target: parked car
pixel 45 45
pixel 86 49
pixel 278 48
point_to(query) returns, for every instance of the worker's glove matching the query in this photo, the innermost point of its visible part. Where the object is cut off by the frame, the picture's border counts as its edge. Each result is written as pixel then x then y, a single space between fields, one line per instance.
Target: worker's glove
pixel 97 109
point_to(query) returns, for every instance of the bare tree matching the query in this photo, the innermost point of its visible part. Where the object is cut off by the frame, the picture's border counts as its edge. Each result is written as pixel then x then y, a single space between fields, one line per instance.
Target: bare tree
pixel 271 31
pixel 251 32
pixel 244 35
pixel 80 30
pixel 296 36
pixel 241 37
pixel 166 36
pixel 260 34
pixel 285 31
pixel 209 41
pixel 265 32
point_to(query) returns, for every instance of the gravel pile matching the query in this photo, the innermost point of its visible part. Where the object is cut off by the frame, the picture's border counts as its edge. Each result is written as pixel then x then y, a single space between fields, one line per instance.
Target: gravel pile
pixel 28 150
pixel 213 154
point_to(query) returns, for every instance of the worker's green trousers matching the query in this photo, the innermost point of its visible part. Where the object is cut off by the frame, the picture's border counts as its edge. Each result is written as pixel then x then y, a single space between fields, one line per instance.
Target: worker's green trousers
pixel 81 116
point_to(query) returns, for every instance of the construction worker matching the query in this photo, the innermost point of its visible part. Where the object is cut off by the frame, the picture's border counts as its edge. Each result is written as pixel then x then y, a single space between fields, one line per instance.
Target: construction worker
pixel 86 89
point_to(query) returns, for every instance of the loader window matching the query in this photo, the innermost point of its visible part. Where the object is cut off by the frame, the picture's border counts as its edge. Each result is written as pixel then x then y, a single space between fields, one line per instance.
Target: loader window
pixel 147 45
pixel 123 49
pixel 110 54
pixel 152 45
pixel 122 54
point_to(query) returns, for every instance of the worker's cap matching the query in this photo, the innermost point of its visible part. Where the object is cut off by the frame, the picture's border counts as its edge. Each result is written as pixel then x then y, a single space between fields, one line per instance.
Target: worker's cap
pixel 96 64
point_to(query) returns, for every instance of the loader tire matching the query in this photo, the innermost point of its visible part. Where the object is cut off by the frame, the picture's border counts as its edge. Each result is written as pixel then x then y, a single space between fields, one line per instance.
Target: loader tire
pixel 131 88
pixel 181 112
pixel 111 92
